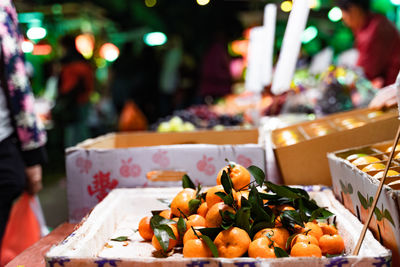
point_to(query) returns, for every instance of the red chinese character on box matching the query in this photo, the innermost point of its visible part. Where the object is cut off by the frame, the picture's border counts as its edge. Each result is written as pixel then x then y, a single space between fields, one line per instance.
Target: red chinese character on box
pixel 102 185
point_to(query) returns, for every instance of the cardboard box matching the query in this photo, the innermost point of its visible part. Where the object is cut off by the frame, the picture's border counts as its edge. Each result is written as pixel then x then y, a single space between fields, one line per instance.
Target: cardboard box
pixel 356 189
pixel 96 166
pixel 120 212
pixel 301 149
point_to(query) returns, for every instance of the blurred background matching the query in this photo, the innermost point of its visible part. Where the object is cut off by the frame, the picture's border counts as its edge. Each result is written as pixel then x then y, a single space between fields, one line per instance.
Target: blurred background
pixel 156 53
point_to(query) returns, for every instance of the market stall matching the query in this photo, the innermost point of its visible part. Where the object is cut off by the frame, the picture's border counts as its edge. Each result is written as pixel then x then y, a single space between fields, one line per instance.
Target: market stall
pixel 281 172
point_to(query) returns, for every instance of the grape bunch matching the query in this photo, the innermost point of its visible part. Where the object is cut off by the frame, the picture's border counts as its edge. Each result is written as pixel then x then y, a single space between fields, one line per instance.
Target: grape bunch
pixel 334 99
pixel 200 117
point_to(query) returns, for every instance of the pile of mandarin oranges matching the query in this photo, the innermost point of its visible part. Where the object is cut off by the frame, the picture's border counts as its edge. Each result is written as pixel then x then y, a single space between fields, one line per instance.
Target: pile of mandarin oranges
pixel 192 214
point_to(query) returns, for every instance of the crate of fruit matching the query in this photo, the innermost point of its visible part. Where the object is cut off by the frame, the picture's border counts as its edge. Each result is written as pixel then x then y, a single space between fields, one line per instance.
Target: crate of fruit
pixel 356 173
pixel 238 222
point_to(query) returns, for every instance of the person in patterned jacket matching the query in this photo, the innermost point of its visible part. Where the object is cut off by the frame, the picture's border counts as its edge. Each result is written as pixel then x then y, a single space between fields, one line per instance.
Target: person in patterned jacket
pixel 22 136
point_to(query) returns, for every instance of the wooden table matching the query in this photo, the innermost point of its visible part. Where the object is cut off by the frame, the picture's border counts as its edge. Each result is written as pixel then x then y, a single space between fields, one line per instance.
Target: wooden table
pixel 34 255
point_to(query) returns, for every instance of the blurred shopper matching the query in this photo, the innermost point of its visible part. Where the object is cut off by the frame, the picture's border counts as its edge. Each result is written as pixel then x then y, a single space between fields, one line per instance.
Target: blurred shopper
pixel 76 83
pixel 387 97
pixel 22 137
pixel 216 80
pixel 376 39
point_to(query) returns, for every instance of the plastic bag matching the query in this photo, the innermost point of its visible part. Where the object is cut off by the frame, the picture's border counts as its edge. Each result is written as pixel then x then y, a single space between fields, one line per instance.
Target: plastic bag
pixel 23 228
pixel 132 118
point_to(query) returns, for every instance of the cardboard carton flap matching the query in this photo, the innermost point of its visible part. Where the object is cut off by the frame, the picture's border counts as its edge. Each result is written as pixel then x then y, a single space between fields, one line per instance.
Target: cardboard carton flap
pixel 142 139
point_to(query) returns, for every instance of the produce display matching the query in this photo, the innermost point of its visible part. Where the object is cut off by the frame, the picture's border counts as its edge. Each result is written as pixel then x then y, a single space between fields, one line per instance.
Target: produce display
pixel 322 127
pixel 373 161
pixel 334 90
pixel 238 217
pixel 356 175
pixel 196 117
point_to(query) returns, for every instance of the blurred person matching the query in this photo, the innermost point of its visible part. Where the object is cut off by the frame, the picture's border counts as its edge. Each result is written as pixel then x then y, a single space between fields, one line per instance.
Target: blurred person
pixel 376 39
pixel 76 83
pixel 387 97
pixel 22 137
pixel 215 79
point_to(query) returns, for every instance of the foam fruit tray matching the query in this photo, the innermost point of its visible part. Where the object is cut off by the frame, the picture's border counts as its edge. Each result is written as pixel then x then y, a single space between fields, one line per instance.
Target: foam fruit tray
pixel 119 214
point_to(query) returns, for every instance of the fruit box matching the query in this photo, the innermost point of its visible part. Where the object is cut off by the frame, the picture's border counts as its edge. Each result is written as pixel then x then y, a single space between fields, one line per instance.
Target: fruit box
pixel 300 150
pixel 143 159
pixel 119 215
pixel 356 190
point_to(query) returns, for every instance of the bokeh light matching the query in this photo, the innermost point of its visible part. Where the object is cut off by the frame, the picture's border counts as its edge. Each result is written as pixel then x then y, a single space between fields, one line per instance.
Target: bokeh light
pixel 27 46
pixel 315 4
pixel 335 14
pixel 36 33
pixel 286 6
pixel 109 52
pixel 150 3
pixel 202 2
pixel 309 34
pixel 85 44
pixel 395 2
pixel 155 38
pixel 41 49
pixel 239 47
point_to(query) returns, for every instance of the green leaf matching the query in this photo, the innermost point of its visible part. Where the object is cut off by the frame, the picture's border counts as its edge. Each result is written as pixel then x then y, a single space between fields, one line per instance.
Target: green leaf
pixel 156 212
pixel 258 174
pixel 378 214
pixel 387 215
pixel 228 219
pixel 210 245
pixel 163 234
pixel 254 197
pixel 242 219
pixel 302 210
pixel 227 216
pixel 157 220
pixel 194 205
pixel 306 207
pixel 187 182
pixel 181 226
pixel 300 192
pixel 198 190
pixel 290 218
pixel 257 211
pixel 226 225
pixel 349 189
pixel 280 253
pixel 289 241
pixel 226 182
pixel 244 202
pixel 344 189
pixel 279 201
pixel 282 190
pixel 211 232
pixel 120 239
pixel 228 199
pixel 202 196
pixel 320 213
pixel 268 196
pixel 363 201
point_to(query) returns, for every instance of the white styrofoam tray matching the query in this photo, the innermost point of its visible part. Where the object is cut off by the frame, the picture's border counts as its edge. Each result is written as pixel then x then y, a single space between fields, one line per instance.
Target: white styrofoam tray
pixel 120 212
